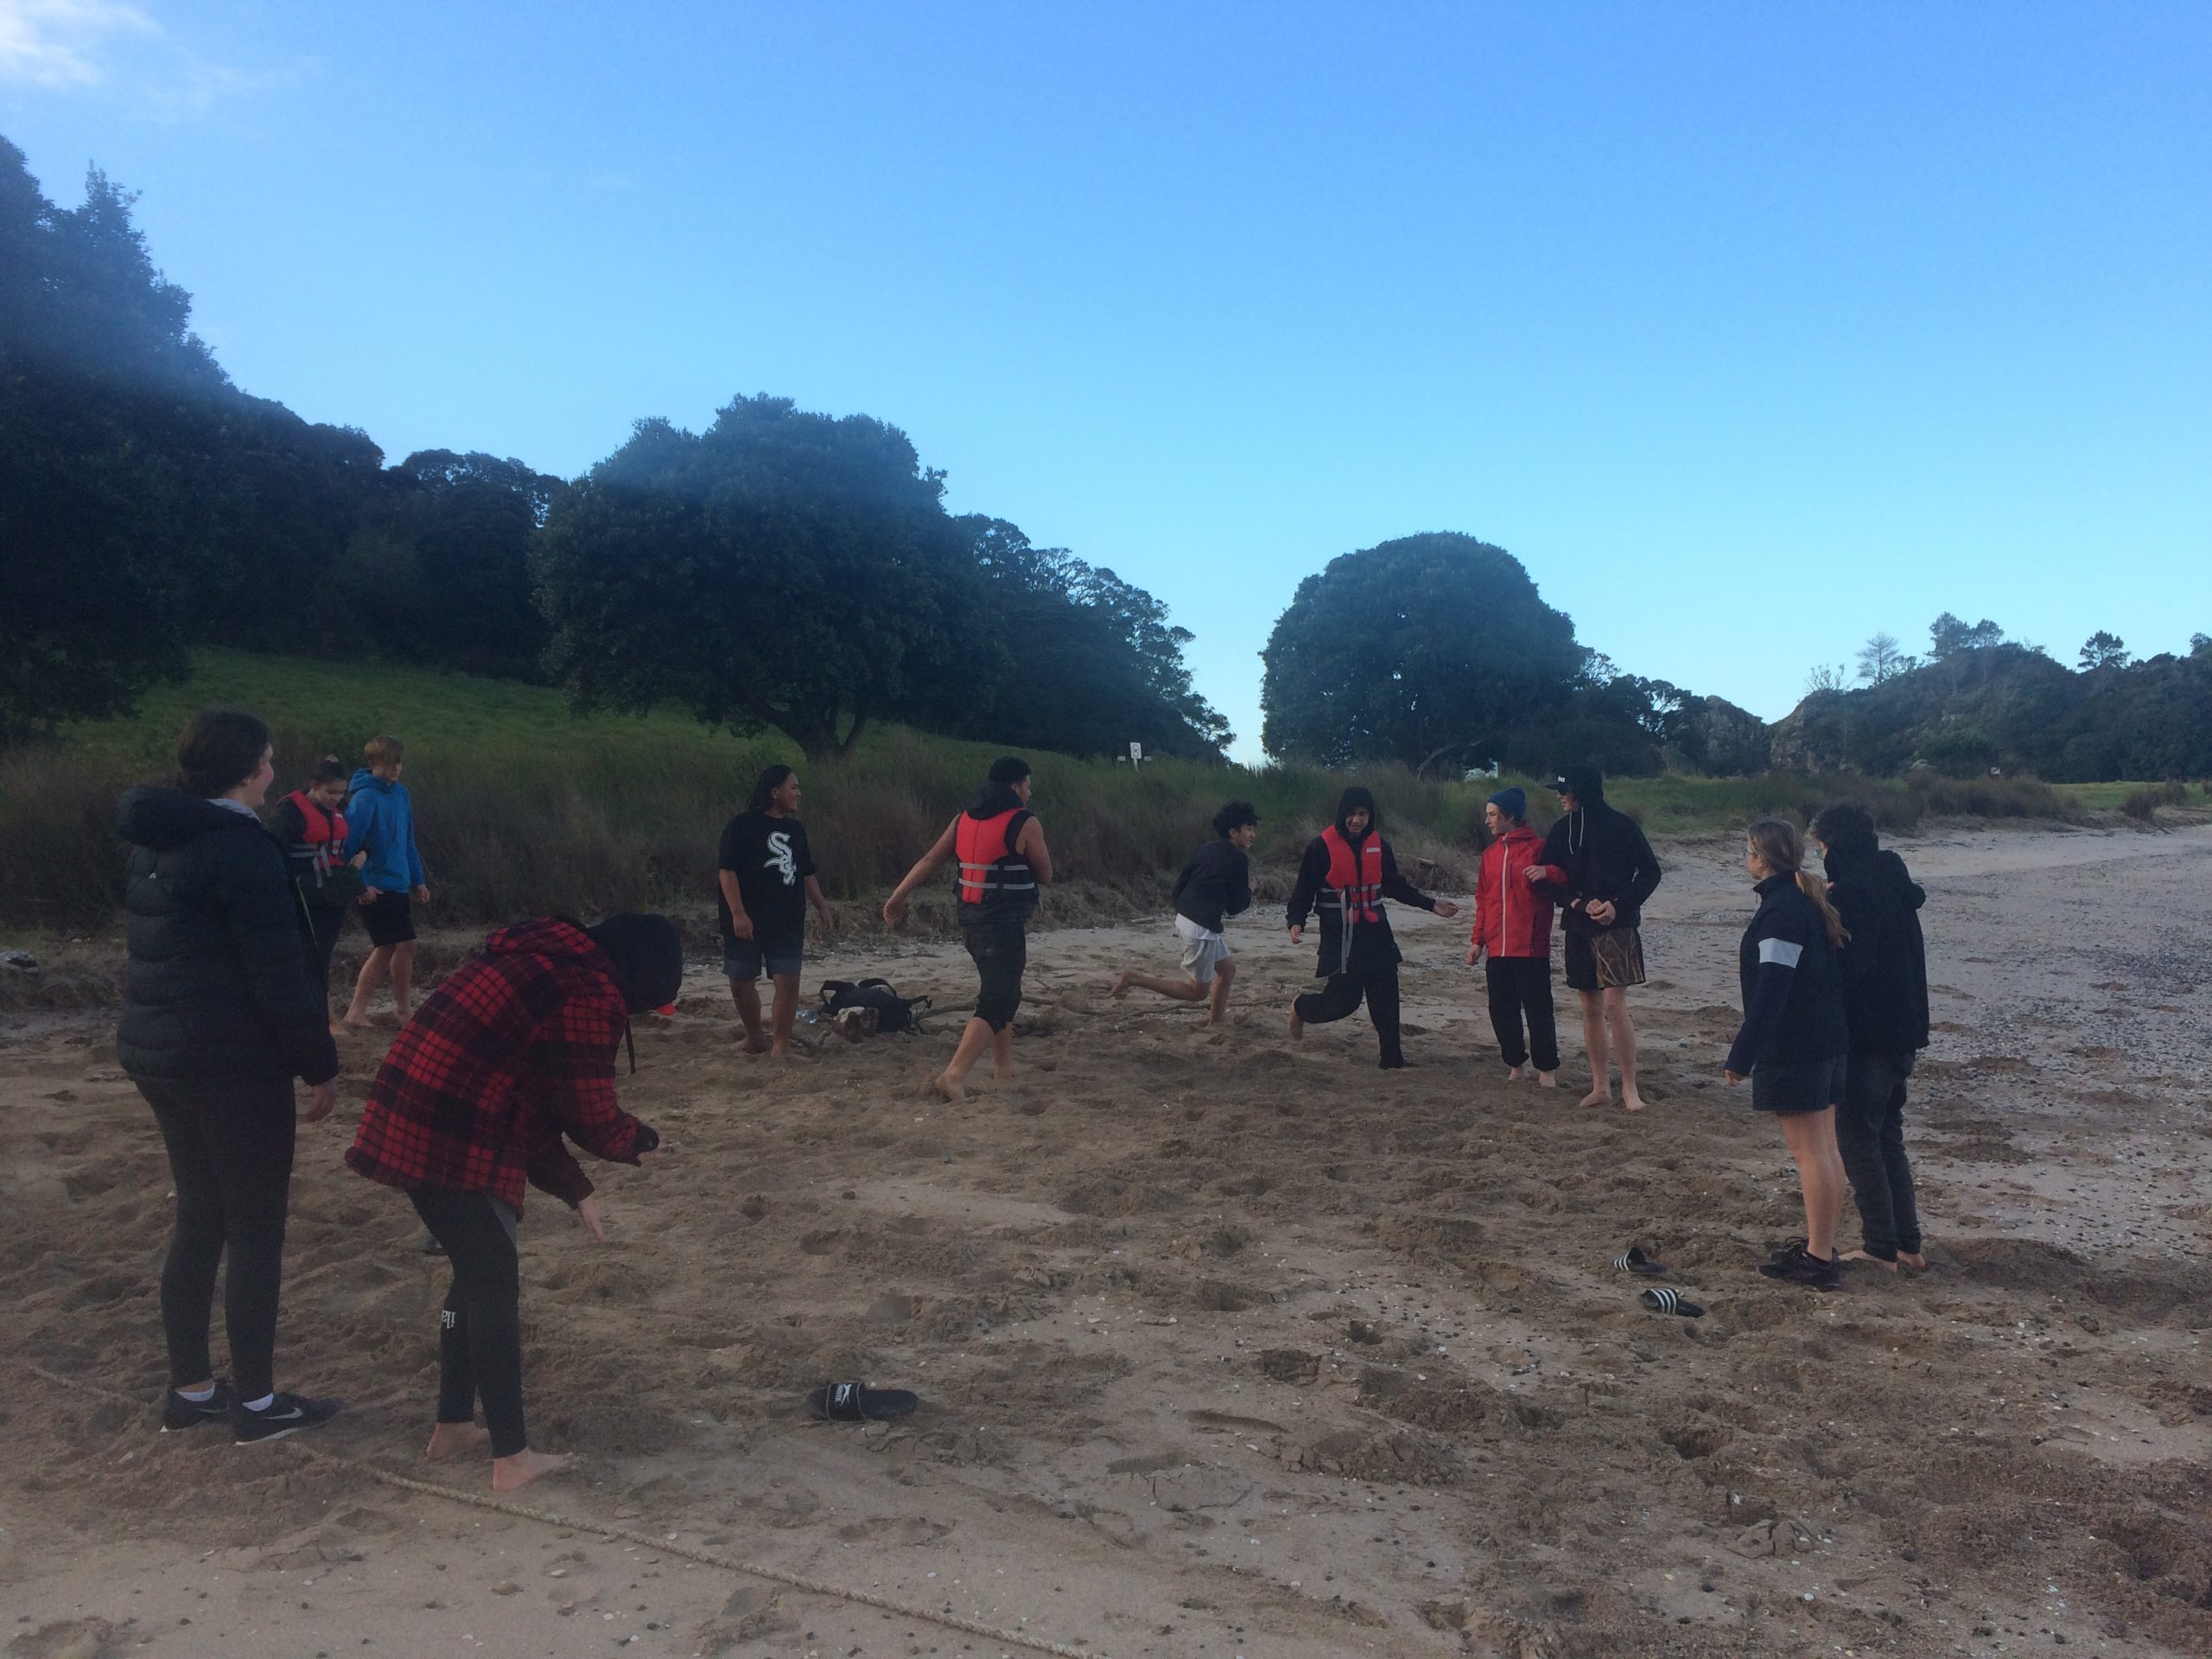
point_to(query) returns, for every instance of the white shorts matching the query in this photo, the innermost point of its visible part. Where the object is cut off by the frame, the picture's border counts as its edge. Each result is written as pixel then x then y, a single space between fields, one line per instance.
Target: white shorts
pixel 1202 952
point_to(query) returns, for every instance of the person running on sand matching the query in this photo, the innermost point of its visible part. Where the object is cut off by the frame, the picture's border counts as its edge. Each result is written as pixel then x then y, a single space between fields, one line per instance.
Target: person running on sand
pixel 1599 869
pixel 380 816
pixel 1794 1037
pixel 766 881
pixel 325 883
pixel 514 1050
pixel 1513 927
pixel 219 1015
pixel 1346 873
pixel 999 845
pixel 1885 1003
pixel 1214 884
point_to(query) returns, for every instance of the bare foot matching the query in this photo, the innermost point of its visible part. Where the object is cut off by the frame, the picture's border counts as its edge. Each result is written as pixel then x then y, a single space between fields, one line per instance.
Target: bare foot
pixel 451 1440
pixel 1631 1101
pixel 1546 1079
pixel 511 1474
pixel 1297 1024
pixel 753 1046
pixel 338 1027
pixel 357 1022
pixel 948 1087
pixel 1870 1261
pixel 1121 983
pixel 780 1049
pixel 402 1015
pixel 1515 1073
pixel 1600 1096
pixel 1914 1263
pixel 1006 1073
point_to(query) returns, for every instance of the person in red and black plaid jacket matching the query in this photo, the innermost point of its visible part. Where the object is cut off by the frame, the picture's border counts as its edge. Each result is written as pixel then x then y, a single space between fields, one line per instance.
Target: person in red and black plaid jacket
pixel 512 1055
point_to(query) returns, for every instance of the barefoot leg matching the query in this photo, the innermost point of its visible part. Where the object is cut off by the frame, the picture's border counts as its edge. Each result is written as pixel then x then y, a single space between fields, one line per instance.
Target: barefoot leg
pixel 1224 975
pixel 786 1012
pixel 451 1440
pixel 952 1081
pixel 402 981
pixel 1599 1050
pixel 1870 1261
pixel 511 1474
pixel 746 994
pixel 1622 1031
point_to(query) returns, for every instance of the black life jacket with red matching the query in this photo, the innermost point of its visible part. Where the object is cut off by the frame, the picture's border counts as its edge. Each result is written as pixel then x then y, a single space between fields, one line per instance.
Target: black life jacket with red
pixel 992 874
pixel 321 845
pixel 1354 884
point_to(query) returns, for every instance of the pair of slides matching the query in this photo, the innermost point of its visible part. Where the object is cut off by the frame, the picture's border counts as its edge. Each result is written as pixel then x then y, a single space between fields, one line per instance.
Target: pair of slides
pixel 1662 1299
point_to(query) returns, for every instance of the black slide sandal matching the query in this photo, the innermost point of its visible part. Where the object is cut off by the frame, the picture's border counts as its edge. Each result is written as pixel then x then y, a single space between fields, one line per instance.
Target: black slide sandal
pixel 1664 1300
pixel 856 1402
pixel 1639 1260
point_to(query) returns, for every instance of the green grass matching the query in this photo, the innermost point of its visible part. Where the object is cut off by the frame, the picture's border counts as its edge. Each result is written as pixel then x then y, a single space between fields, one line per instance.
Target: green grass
pixel 523 808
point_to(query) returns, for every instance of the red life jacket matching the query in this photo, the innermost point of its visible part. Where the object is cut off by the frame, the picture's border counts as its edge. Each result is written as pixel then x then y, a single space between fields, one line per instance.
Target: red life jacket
pixel 991 872
pixel 1355 878
pixel 323 831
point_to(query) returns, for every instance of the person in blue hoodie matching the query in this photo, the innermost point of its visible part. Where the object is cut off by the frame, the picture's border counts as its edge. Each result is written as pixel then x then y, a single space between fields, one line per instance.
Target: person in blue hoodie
pixel 380 823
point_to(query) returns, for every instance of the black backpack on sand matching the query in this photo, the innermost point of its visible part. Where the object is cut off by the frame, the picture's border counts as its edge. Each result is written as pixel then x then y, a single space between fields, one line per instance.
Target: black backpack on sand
pixel 892 1011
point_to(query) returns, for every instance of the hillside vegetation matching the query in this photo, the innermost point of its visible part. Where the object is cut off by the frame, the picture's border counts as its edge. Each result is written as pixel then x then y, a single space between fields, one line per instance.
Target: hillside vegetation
pixel 526 808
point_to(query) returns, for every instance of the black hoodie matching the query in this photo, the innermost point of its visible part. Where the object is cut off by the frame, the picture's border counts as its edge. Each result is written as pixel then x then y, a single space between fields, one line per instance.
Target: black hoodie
pixel 1885 964
pixel 1372 945
pixel 218 984
pixel 1599 853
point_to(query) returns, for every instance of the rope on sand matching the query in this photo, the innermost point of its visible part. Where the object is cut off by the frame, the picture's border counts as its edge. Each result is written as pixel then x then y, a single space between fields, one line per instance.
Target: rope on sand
pixel 627 1536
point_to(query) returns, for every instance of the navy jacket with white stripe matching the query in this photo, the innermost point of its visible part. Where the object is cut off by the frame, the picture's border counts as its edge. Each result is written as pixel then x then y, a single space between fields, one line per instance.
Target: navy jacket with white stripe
pixel 1792 984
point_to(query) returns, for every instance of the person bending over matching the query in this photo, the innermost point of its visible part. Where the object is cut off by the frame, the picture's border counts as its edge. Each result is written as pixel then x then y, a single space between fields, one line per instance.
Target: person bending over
pixel 1214 884
pixel 1793 1037
pixel 1346 873
pixel 1513 929
pixel 1885 1003
pixel 1000 846
pixel 1599 869
pixel 513 1050
pixel 764 887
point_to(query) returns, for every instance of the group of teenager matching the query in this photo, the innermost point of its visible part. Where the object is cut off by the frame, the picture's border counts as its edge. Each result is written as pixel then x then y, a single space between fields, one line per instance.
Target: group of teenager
pixel 514 1056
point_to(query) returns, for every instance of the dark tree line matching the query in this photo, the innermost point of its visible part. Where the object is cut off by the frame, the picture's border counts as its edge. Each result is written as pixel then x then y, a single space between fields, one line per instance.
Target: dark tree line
pixel 782 568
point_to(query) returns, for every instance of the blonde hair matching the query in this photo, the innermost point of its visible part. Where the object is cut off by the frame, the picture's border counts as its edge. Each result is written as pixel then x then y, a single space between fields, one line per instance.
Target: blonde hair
pixel 1781 848
pixel 384 752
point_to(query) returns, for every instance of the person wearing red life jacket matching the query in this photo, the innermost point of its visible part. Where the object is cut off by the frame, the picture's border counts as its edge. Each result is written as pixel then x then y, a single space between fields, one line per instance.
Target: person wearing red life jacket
pixel 1003 861
pixel 1347 871
pixel 326 884
pixel 1513 928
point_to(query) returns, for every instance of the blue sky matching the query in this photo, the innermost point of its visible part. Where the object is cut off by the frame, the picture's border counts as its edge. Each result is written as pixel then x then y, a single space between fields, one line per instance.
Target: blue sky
pixel 1751 329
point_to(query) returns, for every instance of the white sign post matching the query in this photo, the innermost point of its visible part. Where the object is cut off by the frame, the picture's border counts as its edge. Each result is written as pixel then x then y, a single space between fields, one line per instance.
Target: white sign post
pixel 1136 754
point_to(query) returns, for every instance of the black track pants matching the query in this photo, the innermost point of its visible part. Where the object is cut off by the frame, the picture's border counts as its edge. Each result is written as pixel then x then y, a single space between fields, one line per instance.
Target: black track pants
pixel 1870 1134
pixel 1342 994
pixel 480 1333
pixel 230 1147
pixel 1522 986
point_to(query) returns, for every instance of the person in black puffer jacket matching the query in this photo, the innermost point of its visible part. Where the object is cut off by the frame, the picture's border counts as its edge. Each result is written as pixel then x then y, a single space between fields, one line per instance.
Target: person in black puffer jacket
pixel 221 1012
pixel 1598 870
pixel 1793 1039
pixel 1885 999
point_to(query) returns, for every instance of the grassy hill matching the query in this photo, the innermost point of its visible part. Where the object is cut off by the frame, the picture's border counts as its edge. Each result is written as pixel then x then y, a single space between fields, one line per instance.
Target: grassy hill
pixel 524 808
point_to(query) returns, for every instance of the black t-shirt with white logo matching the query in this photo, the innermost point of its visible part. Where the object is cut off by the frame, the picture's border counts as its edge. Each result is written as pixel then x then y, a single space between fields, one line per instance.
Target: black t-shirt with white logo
pixel 770 859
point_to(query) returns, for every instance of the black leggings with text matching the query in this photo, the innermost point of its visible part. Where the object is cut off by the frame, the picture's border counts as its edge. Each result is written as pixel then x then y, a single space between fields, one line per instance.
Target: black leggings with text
pixel 480 1333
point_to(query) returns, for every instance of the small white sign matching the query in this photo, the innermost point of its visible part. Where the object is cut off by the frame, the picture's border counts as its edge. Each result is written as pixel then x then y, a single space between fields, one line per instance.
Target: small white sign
pixel 1136 754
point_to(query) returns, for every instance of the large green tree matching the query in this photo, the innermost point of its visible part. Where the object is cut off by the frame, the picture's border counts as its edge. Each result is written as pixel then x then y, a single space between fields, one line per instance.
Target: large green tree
pixel 1426 648
pixel 781 568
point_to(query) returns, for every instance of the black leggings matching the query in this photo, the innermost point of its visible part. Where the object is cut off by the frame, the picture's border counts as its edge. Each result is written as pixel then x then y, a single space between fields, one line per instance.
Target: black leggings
pixel 1518 985
pixel 1000 951
pixel 1343 994
pixel 320 926
pixel 480 1333
pixel 229 1148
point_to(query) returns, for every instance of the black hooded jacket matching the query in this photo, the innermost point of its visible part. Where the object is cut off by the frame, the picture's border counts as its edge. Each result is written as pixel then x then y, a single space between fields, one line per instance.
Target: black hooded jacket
pixel 1599 853
pixel 1885 964
pixel 1372 944
pixel 218 984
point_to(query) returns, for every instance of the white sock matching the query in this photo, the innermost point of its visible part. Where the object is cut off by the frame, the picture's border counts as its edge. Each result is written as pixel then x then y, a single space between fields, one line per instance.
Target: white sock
pixel 262 1404
pixel 198 1396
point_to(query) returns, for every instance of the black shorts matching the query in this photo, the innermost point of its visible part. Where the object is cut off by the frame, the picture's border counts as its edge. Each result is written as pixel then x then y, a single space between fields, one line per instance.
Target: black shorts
pixel 390 920
pixel 1796 1085
pixel 1603 960
pixel 1001 949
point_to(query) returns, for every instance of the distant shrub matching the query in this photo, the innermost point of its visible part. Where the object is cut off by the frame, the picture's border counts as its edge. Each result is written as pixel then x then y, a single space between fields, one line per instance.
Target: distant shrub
pixel 2144 804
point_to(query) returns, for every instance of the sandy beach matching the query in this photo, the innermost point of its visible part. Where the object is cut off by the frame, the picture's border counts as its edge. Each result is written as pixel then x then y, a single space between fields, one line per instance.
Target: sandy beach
pixel 1227 1346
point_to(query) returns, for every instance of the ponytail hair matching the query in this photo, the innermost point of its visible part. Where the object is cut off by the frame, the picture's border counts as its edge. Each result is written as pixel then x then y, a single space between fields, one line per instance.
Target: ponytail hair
pixel 1781 848
pixel 765 787
pixel 330 770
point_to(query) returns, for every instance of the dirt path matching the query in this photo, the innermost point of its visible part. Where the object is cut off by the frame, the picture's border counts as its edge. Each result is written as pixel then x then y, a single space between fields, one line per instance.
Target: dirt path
pixel 1228 1347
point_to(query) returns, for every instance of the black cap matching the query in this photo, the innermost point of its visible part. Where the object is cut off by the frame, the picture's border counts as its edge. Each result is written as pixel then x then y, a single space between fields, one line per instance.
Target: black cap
pixel 648 958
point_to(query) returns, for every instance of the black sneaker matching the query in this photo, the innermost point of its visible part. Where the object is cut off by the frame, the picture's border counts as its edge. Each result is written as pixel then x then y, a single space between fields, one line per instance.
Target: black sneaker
pixel 1804 1269
pixel 179 1414
pixel 286 1414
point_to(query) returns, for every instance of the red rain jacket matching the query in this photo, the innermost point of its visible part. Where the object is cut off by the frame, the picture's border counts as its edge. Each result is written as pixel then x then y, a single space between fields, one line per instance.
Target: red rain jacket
pixel 1511 918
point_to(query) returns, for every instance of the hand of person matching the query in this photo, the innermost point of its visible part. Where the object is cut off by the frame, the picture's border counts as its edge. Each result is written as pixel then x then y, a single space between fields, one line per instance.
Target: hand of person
pixel 588 1213
pixel 422 895
pixel 322 1100
pixel 1296 933
pixel 741 925
pixel 359 861
pixel 828 919
pixel 1734 1077
pixel 1601 912
pixel 1474 954
pixel 1535 874
pixel 1446 908
pixel 894 911
pixel 368 897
